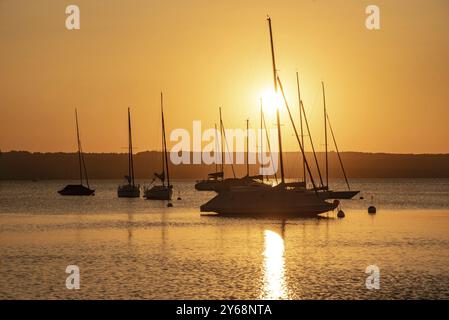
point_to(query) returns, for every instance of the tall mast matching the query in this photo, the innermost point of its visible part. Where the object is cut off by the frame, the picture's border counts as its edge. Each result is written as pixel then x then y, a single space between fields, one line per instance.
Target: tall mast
pixel 301 128
pixel 261 133
pixel 84 167
pixel 165 142
pixel 338 152
pixel 162 145
pixel 130 151
pixel 297 135
pixel 277 107
pixel 216 148
pixel 311 144
pixel 268 145
pixel 325 136
pixel 222 143
pixel 79 146
pixel 247 147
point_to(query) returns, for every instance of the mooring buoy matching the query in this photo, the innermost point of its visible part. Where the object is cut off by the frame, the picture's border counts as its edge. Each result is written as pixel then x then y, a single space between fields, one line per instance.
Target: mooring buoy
pixel 340 214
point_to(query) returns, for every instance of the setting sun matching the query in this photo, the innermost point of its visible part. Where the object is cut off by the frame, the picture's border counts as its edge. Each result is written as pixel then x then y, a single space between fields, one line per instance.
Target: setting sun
pixel 271 101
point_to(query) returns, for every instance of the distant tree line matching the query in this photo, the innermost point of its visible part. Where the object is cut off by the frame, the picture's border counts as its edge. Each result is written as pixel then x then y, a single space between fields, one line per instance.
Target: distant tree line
pixel 22 165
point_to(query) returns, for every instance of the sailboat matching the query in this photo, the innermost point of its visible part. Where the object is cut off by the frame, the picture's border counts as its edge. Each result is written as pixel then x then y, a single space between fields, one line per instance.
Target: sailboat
pixel 164 191
pixel 281 200
pixel 78 189
pixel 216 181
pixel 214 178
pixel 263 127
pixel 323 189
pixel 130 189
pixel 246 180
pixel 330 194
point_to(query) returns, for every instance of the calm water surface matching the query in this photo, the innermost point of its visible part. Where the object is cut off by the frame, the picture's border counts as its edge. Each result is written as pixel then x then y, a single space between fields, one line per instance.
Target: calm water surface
pixel 132 248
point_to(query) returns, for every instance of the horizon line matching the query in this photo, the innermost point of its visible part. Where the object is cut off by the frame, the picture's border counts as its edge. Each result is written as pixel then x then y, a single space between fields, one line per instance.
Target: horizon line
pixel 151 151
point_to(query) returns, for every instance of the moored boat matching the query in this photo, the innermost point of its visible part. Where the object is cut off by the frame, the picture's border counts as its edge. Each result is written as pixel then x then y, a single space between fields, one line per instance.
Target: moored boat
pixel 257 201
pixel 261 200
pixel 130 189
pixel 159 193
pixel 164 191
pixel 78 189
pixel 213 180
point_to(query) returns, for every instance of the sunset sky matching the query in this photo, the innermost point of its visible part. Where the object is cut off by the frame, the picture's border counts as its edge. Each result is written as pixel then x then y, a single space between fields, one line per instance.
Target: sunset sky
pixel 387 90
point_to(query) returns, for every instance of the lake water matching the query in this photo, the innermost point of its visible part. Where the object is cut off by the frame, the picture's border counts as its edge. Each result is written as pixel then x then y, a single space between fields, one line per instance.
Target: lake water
pixel 138 249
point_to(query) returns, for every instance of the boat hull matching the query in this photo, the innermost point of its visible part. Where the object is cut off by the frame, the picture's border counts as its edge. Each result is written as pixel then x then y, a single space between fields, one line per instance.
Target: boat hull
pixel 228 184
pixel 158 193
pixel 338 194
pixel 128 191
pixel 76 190
pixel 207 185
pixel 267 202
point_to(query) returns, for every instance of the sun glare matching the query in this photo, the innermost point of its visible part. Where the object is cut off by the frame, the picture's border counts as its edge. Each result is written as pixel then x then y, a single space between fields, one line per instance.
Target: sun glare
pixel 275 286
pixel 271 101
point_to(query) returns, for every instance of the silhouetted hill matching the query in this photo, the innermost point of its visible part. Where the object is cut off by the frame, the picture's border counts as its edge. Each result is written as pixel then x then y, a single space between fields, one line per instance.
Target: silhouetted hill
pixel 25 165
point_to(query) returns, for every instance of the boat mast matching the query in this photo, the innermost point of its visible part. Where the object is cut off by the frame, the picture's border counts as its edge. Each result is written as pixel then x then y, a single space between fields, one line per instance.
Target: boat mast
pixel 216 148
pixel 311 144
pixel 325 136
pixel 247 147
pixel 277 107
pixel 261 134
pixel 338 152
pixel 225 145
pixel 162 150
pixel 222 143
pixel 301 128
pixel 130 151
pixel 164 143
pixel 79 146
pixel 297 135
pixel 268 145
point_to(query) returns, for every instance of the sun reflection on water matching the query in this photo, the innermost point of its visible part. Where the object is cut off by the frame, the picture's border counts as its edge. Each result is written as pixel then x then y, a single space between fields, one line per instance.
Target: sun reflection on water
pixel 275 286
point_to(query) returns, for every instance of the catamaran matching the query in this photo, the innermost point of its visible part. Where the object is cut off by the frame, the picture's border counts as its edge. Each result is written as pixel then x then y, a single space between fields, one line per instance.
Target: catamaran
pixel 164 191
pixel 78 189
pixel 130 189
pixel 258 199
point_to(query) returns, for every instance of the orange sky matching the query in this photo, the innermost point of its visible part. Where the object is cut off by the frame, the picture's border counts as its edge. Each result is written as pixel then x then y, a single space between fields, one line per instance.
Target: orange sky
pixel 387 90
